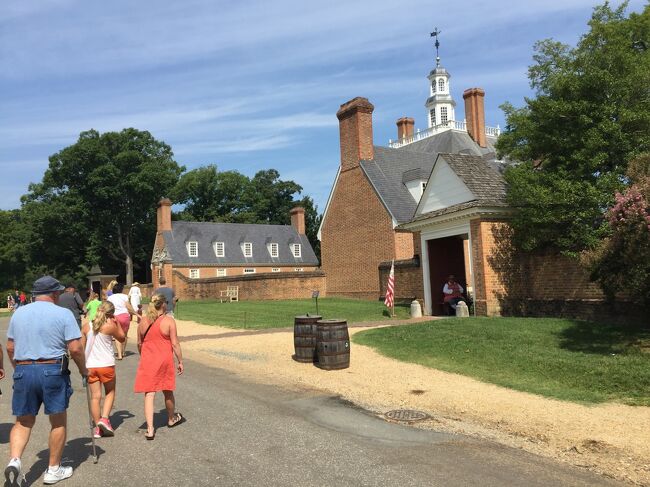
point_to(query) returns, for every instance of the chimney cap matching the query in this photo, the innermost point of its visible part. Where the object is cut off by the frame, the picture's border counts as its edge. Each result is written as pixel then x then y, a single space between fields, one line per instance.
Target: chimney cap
pixel 472 92
pixel 296 209
pixel 405 120
pixel 358 104
pixel 165 202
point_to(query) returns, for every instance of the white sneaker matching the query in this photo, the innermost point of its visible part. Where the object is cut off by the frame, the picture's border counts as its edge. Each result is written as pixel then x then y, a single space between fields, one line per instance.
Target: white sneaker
pixel 13 473
pixel 61 474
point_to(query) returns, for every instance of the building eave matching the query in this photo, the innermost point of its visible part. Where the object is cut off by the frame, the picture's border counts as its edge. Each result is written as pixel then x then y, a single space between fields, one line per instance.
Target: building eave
pixel 466 214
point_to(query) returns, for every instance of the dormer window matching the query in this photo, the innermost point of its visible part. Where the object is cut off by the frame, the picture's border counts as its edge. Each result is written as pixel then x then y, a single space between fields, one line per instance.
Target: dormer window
pixel 423 185
pixel 219 249
pixel 247 248
pixel 441 84
pixel 274 250
pixel 296 250
pixel 193 249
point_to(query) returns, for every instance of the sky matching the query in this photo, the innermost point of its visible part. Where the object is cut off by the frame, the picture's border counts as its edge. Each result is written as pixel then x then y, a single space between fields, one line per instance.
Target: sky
pixel 252 85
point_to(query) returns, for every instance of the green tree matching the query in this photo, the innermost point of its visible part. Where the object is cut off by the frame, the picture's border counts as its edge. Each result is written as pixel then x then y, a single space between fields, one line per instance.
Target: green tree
pixel 575 138
pixel 106 187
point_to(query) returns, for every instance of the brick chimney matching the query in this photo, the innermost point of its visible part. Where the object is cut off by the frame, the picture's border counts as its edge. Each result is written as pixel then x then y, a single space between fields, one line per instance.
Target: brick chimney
pixel 405 127
pixel 355 129
pixel 475 115
pixel 164 215
pixel 298 219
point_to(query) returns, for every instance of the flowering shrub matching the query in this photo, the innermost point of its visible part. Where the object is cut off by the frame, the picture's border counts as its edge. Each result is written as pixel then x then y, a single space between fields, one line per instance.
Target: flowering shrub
pixel 622 262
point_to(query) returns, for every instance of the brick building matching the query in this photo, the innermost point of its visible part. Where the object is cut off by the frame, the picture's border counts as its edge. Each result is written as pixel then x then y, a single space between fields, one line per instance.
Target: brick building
pixel 378 191
pixel 196 251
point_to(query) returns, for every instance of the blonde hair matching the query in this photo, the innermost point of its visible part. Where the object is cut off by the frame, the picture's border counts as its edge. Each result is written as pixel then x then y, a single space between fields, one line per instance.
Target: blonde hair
pixel 91 296
pixel 106 310
pixel 111 285
pixel 155 305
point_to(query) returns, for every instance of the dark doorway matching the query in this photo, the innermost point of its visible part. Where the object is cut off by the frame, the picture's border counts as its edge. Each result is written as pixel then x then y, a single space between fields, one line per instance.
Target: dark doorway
pixel 446 256
pixel 97 287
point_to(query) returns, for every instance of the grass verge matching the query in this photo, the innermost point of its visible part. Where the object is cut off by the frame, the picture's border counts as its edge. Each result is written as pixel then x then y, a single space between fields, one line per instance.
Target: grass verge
pixel 565 359
pixel 280 314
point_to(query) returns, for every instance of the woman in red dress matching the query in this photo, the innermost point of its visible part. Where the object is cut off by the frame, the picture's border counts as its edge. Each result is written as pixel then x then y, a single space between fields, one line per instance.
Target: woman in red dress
pixel 157 344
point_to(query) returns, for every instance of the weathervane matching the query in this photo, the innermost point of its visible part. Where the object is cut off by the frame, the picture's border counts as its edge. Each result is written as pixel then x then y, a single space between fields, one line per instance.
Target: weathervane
pixel 435 34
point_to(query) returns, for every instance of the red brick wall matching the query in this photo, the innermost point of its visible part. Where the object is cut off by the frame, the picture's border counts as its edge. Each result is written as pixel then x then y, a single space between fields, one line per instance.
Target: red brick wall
pixel 297 285
pixel 408 279
pixel 211 271
pixel 404 244
pixel 356 236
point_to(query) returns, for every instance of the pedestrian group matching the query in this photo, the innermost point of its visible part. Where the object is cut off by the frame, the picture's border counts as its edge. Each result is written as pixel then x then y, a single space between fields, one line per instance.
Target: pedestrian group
pixel 44 335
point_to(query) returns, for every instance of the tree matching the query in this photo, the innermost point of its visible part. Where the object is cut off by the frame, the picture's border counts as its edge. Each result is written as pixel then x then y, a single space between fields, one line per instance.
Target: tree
pixel 589 118
pixel 110 184
pixel 210 195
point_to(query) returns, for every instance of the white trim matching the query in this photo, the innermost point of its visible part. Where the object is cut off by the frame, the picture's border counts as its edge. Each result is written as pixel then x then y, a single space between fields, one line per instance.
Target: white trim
pixel 449 230
pixel 215 245
pixel 299 269
pixel 245 246
pixel 329 200
pixel 222 272
pixel 274 246
pixel 196 248
pixel 249 270
pixel 469 213
pixel 196 272
pixel 296 250
pixel 275 269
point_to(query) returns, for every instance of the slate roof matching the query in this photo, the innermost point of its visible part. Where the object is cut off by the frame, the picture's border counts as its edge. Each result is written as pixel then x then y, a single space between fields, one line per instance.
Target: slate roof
pixel 481 179
pixel 233 235
pixel 392 168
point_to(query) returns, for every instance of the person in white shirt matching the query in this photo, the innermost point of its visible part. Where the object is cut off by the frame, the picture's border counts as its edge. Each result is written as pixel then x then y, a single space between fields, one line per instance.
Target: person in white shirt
pixel 135 295
pixel 100 360
pixel 123 313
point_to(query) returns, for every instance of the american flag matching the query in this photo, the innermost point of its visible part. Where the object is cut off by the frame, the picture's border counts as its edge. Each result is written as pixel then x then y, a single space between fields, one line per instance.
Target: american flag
pixel 390 290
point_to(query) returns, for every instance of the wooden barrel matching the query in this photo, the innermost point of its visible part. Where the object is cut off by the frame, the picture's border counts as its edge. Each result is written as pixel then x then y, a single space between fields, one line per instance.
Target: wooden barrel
pixel 332 345
pixel 304 338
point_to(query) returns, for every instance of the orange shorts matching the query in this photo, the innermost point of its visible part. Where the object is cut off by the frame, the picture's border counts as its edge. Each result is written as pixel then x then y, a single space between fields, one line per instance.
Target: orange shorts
pixel 101 374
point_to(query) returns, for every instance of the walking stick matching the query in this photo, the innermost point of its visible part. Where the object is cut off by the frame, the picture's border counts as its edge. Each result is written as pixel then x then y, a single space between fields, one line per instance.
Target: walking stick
pixel 92 423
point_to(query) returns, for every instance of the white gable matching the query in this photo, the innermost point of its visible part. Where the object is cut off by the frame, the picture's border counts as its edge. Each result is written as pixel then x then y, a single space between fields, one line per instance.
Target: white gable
pixel 443 190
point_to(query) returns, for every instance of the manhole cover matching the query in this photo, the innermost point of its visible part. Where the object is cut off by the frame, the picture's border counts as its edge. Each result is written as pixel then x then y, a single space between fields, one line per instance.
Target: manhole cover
pixel 408 415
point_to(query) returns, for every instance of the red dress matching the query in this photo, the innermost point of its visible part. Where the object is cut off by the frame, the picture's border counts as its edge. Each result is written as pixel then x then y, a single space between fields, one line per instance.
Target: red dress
pixel 156 370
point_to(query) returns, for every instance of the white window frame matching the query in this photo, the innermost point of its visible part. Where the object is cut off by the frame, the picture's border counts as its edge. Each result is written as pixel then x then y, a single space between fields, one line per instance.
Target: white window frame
pixel 195 273
pixel 247 249
pixel 299 269
pixel 444 115
pixel 193 244
pixel 222 272
pixel 296 250
pixel 441 84
pixel 249 270
pixel 275 269
pixel 433 87
pixel 432 117
pixel 274 249
pixel 220 249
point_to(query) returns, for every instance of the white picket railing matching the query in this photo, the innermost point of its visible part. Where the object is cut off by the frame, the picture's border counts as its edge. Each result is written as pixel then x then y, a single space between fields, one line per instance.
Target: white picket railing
pixel 449 125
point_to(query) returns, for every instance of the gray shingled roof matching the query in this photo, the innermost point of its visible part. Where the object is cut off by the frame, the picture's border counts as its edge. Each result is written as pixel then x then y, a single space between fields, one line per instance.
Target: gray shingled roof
pixel 483 181
pixel 391 168
pixel 233 235
pixel 385 172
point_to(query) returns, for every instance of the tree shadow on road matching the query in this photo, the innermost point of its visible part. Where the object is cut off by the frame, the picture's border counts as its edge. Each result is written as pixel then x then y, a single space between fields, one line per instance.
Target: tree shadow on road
pixel 76 452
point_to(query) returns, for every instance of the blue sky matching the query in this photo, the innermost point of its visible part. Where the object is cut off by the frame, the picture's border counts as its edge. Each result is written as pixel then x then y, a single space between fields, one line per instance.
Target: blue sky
pixel 251 85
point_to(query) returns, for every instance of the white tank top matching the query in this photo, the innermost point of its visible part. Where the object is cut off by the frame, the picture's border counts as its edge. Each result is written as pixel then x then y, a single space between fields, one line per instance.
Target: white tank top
pixel 99 350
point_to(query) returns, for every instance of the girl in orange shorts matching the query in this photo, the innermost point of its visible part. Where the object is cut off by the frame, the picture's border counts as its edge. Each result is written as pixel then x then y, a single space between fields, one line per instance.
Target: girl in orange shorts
pixel 100 361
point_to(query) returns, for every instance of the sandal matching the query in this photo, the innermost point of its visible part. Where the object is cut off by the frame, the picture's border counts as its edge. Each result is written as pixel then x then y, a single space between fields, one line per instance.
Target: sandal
pixel 150 437
pixel 176 420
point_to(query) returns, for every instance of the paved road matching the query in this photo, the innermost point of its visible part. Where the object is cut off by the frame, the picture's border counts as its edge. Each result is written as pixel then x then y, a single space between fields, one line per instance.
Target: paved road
pixel 244 434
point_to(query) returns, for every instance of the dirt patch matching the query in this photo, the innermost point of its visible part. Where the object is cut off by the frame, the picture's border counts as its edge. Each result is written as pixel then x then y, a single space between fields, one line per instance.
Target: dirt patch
pixel 611 439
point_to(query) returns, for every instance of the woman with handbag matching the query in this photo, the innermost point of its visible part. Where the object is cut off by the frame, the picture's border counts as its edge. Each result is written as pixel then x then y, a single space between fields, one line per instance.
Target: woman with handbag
pixel 158 344
pixel 100 360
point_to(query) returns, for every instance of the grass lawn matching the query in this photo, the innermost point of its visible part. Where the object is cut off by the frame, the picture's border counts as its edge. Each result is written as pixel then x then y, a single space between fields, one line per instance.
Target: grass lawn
pixel 279 314
pixel 565 359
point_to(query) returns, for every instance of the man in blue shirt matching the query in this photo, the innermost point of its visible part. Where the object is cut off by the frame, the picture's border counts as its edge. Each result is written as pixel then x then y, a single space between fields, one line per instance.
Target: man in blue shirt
pixel 39 337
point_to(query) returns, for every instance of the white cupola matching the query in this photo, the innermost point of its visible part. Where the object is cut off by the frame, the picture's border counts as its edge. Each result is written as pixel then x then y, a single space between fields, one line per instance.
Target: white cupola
pixel 440 105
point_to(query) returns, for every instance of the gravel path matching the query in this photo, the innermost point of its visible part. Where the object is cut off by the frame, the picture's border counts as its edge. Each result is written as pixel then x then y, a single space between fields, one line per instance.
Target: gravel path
pixel 611 439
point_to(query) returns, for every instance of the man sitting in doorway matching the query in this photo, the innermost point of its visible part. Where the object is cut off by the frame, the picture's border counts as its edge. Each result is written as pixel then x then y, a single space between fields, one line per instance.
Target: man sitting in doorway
pixel 453 294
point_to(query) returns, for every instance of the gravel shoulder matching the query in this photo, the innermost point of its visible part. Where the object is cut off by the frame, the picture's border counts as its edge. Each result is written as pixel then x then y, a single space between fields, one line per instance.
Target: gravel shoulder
pixel 611 439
